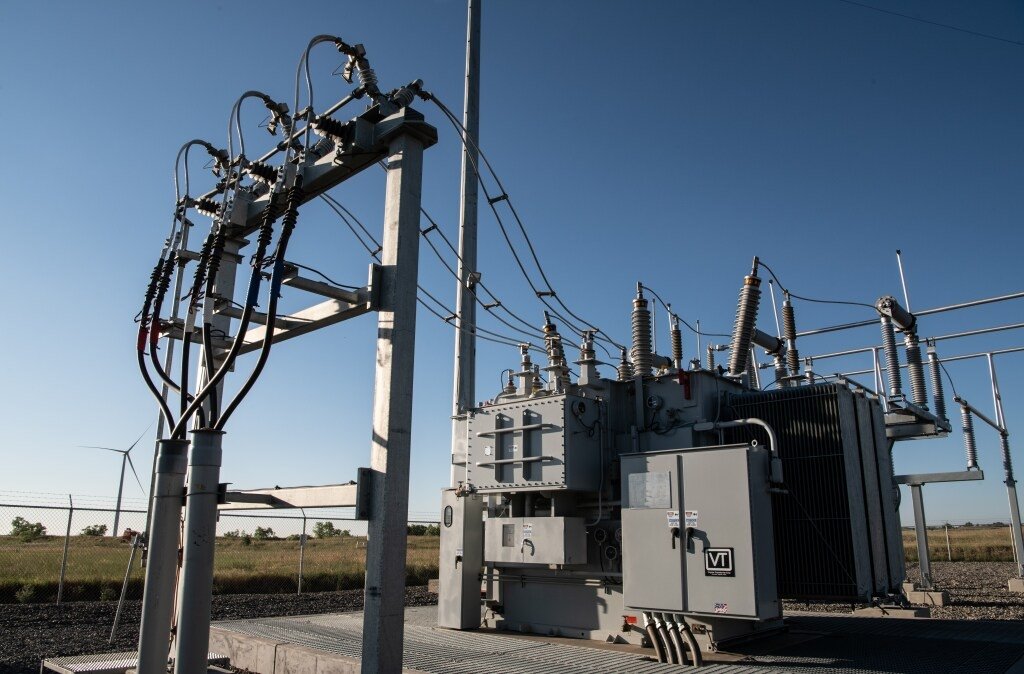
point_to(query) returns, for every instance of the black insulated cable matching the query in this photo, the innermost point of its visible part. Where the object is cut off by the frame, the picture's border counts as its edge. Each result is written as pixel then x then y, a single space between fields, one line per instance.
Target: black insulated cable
pixel 291 216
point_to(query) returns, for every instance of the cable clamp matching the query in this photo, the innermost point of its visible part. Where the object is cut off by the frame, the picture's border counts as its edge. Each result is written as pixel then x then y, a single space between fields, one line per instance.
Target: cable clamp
pixel 428 230
pixel 501 197
pixel 545 293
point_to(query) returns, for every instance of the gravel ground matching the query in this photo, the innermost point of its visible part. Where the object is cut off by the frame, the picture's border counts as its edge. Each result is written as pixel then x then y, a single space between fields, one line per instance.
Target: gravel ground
pixel 30 632
pixel 977 591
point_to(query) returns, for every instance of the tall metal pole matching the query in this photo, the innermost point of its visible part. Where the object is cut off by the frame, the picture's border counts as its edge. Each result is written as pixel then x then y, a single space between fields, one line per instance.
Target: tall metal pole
pixel 384 613
pixel 64 557
pixel 1011 483
pixel 921 529
pixel 464 395
pixel 120 490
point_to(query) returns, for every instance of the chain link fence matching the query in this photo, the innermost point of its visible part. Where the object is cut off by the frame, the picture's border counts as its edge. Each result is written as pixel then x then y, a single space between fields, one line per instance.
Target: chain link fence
pixel 51 553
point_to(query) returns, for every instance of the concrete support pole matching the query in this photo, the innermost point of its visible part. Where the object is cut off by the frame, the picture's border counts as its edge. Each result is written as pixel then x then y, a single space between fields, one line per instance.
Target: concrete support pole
pixel 383 618
pixel 195 587
pixel 921 529
pixel 1011 482
pixel 464 395
pixel 158 592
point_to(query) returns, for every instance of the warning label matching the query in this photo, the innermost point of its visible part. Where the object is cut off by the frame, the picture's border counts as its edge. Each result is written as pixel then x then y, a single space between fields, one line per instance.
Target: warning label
pixel 673 518
pixel 691 518
pixel 527 531
pixel 721 607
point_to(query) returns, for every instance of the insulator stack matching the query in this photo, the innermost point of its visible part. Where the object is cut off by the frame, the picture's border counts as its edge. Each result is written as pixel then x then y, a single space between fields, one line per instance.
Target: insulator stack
pixel 262 172
pixel 892 358
pixel 970 446
pixel 557 368
pixel 938 397
pixel 752 377
pixel 207 206
pixel 915 370
pixel 746 316
pixel 780 371
pixel 711 357
pixel 328 127
pixel 677 346
pixel 322 147
pixel 789 334
pixel 1004 444
pixel 642 352
pixel 367 76
pixel 625 369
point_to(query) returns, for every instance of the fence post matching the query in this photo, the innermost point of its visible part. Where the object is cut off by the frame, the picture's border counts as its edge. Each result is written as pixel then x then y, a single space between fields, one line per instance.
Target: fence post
pixel 949 551
pixel 64 558
pixel 124 586
pixel 302 548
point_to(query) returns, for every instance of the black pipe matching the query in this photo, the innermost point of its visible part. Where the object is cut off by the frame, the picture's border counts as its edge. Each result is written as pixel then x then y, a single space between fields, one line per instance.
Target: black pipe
pixel 677 642
pixel 691 641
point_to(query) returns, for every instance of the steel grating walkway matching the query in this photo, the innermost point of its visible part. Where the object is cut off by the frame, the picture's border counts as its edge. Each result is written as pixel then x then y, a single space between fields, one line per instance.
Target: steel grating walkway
pixel 829 644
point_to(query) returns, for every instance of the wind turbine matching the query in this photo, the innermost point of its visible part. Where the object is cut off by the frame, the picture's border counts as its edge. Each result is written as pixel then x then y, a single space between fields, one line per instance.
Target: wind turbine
pixel 126 458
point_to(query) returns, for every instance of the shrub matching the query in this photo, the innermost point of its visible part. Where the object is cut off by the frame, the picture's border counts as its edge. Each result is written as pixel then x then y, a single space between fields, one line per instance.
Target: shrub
pixel 25 594
pixel 423 530
pixel 263 534
pixel 246 539
pixel 95 530
pixel 107 593
pixel 233 534
pixel 326 530
pixel 25 530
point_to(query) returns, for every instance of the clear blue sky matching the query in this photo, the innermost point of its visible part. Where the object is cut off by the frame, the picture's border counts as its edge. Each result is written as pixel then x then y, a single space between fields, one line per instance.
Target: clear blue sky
pixel 667 142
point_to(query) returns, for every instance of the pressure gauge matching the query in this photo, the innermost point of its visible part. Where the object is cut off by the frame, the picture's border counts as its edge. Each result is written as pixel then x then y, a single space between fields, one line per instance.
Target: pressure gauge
pixel 654 402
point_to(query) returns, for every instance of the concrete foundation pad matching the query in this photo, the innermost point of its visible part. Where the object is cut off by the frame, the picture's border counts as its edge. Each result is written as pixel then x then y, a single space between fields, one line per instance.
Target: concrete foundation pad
pixel 880 612
pixel 1016 585
pixel 929 597
pixel 826 643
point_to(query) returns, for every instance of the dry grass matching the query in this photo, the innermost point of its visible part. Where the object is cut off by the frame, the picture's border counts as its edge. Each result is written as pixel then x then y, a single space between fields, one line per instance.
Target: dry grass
pixel 966 544
pixel 96 566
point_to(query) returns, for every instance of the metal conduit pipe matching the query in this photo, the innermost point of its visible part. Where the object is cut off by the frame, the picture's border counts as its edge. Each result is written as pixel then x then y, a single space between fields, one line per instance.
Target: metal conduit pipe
pixel 670 648
pixel 773 440
pixel 938 397
pixel 654 637
pixel 691 642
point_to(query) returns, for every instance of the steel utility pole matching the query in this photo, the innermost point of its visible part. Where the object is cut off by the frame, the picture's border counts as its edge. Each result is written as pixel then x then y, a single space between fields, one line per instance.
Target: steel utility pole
pixel 465 319
pixel 384 613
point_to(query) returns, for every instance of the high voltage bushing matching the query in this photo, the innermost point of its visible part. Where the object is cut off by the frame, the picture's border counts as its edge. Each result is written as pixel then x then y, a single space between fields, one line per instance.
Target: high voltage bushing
pixel 915 370
pixel 643 360
pixel 746 317
pixel 328 127
pixel 938 397
pixel 1004 444
pixel 892 358
pixel 677 344
pixel 207 206
pixel 625 369
pixel 710 364
pixel 262 172
pixel 970 446
pixel 789 334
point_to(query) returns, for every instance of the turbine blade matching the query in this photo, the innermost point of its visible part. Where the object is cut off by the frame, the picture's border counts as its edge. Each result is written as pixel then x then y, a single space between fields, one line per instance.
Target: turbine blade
pixel 132 465
pixel 109 449
pixel 140 437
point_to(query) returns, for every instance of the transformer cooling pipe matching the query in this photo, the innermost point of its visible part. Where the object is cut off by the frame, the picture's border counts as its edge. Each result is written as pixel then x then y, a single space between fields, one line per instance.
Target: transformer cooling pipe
pixel 746 317
pixel 642 352
pixel 938 397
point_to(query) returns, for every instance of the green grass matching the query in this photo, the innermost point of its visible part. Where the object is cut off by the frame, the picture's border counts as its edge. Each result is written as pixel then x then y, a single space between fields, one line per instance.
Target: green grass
pixel 96 566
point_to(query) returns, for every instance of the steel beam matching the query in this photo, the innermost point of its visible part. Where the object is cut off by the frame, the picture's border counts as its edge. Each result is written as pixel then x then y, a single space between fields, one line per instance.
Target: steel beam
pixel 384 613
pixel 921 529
pixel 351 495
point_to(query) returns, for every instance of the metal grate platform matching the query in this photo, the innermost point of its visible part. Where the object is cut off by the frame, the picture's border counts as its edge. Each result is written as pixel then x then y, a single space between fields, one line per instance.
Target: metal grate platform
pixel 106 663
pixel 828 644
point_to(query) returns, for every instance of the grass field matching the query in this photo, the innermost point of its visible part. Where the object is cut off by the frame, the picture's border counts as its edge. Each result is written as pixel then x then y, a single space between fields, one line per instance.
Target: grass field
pixel 29 572
pixel 96 566
pixel 967 544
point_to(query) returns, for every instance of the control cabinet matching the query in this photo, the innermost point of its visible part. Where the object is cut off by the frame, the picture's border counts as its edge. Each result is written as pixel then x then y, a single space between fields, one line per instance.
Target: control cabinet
pixel 535 540
pixel 697 532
